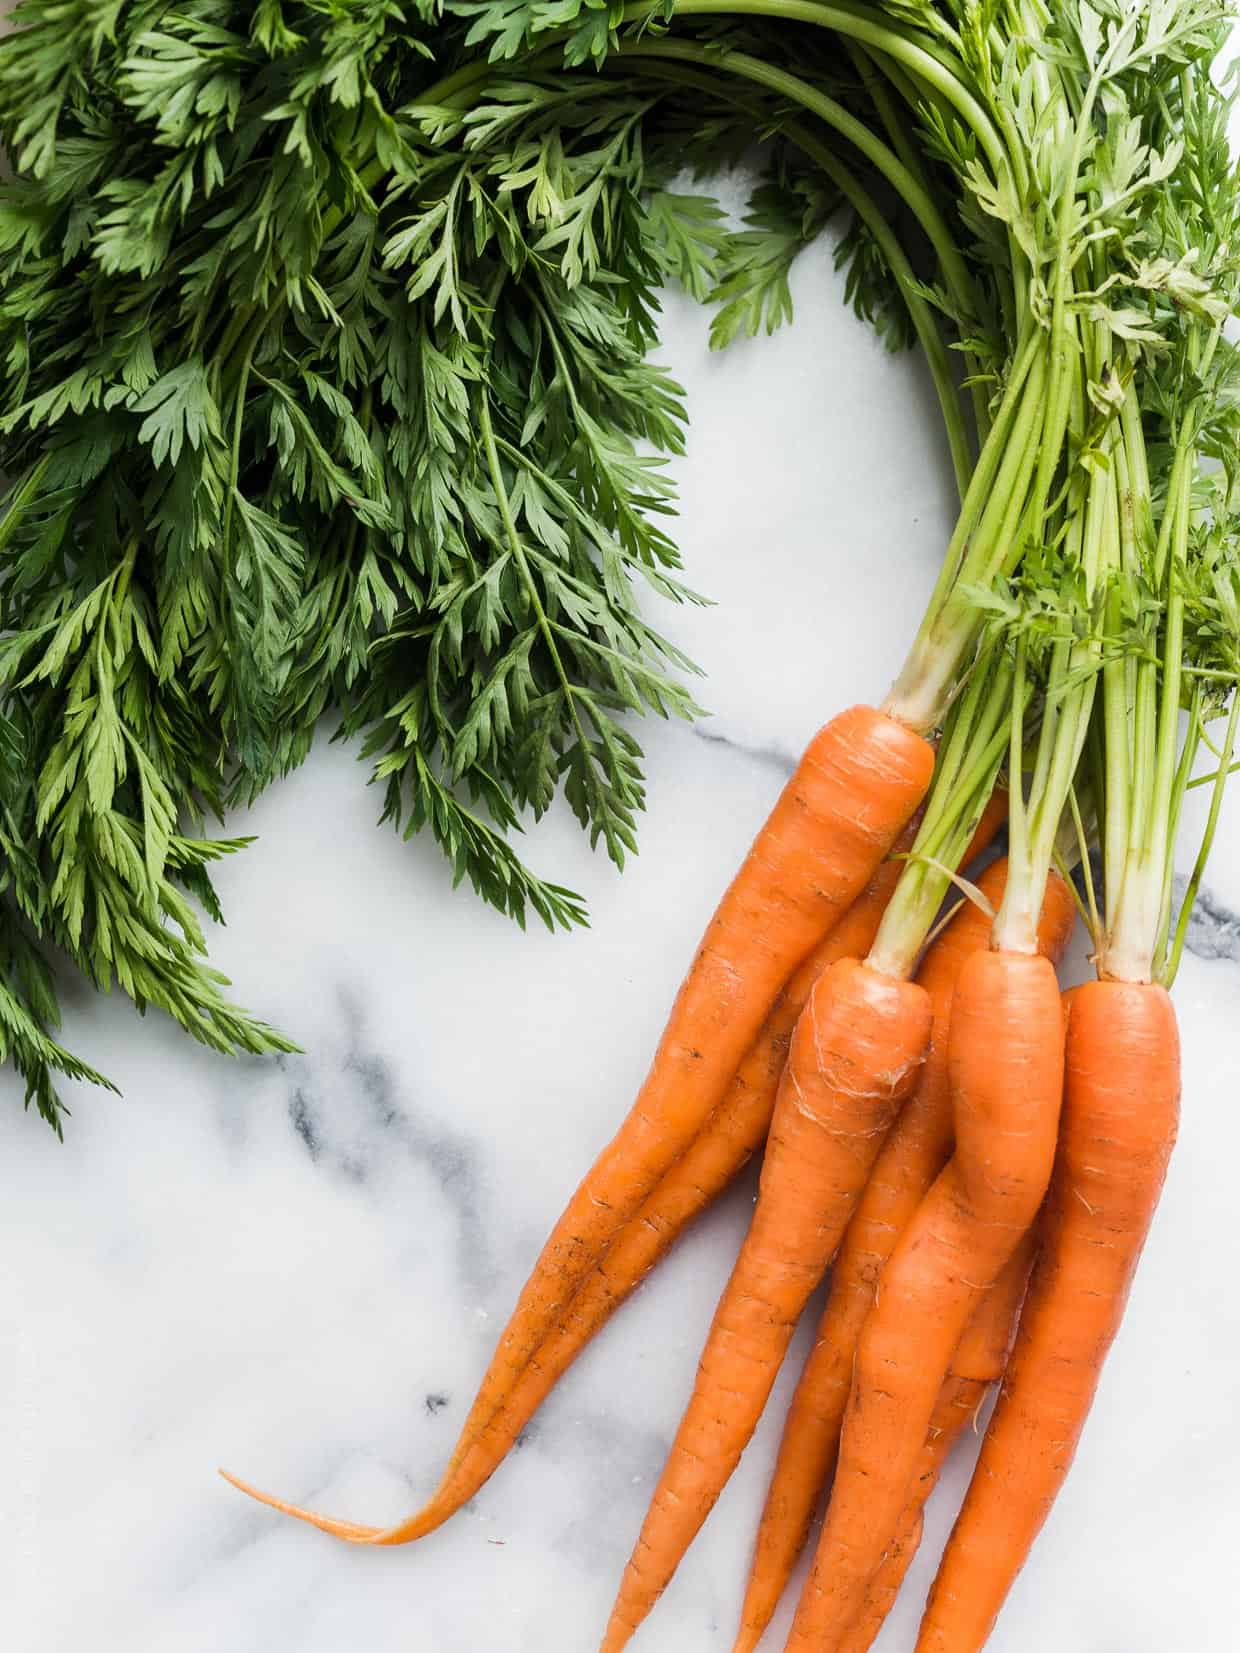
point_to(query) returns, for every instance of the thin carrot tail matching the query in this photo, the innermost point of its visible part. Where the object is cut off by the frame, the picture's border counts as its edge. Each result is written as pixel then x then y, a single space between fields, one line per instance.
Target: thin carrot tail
pixel 452 1493
pixel 350 1531
pixel 747 1639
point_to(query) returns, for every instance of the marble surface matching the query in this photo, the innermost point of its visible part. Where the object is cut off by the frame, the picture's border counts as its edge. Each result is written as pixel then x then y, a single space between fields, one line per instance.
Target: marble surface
pixel 298 1268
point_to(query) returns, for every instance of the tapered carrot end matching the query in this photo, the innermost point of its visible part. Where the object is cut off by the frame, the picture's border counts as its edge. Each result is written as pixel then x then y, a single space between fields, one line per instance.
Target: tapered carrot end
pixel 427 1519
pixel 748 1638
pixel 350 1531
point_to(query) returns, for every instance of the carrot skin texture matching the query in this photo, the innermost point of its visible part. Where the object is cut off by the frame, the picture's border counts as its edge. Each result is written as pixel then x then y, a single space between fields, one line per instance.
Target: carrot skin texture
pixel 855 1055
pixel 978 1362
pixel 1005 1064
pixel 1120 1117
pixel 857 784
pixel 911 1158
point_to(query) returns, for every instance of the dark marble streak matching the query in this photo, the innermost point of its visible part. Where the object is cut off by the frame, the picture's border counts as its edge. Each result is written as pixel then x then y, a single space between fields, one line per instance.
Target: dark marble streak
pixel 354 1122
pixel 1213 929
pixel 769 757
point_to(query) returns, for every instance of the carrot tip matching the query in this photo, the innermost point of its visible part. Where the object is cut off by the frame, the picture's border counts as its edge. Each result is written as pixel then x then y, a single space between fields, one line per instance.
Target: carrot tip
pixel 350 1531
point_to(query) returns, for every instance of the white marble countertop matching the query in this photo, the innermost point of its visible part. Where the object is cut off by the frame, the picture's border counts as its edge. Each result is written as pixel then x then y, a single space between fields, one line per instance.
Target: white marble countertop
pixel 298 1269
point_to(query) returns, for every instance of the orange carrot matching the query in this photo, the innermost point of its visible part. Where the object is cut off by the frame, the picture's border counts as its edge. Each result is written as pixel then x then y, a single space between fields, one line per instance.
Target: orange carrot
pixel 855 1055
pixel 1005 1062
pixel 913 1155
pixel 857 785
pixel 733 1133
pixel 1120 1116
pixel 978 1362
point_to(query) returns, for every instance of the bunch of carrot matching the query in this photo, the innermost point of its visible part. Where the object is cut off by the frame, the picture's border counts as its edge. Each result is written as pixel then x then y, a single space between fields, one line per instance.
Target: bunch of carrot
pixel 974 1157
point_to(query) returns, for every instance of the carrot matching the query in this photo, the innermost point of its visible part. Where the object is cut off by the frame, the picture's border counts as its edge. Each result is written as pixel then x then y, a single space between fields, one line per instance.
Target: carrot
pixel 912 1156
pixel 977 1364
pixel 858 783
pixel 855 1055
pixel 1005 1061
pixel 732 1135
pixel 1120 1115
pixel 734 1132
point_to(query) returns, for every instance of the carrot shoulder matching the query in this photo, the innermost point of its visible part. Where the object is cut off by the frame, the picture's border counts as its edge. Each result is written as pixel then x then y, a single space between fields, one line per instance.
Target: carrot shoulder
pixel 855 1055
pixel 1005 1060
pixel 1120 1116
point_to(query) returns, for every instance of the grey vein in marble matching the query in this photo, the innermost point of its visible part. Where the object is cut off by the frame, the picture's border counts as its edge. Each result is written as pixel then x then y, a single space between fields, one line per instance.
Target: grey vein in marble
pixel 770 757
pixel 1213 929
pixel 352 1123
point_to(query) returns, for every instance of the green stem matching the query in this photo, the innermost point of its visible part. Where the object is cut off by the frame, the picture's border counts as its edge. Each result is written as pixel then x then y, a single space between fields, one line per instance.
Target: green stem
pixel 1092 918
pixel 1136 896
pixel 833 114
pixel 869 65
pixel 1059 388
pixel 865 25
pixel 1172 965
pixel 971 753
pixel 921 314
pixel 1069 695
pixel 863 61
pixel 1184 768
pixel 1018 809
pixel 987 539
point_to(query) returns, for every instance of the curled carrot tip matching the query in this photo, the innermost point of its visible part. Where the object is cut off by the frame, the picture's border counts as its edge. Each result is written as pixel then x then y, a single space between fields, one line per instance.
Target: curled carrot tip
pixel 350 1531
